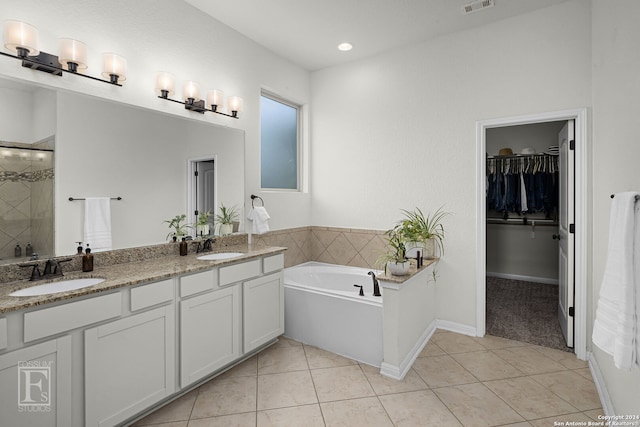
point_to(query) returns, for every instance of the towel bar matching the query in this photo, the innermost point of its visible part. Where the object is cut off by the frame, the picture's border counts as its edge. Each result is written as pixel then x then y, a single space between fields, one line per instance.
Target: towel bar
pixel 73 199
pixel 637 197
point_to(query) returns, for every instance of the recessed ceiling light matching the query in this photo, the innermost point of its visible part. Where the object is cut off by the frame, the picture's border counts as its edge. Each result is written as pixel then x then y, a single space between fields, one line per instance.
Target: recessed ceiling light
pixel 345 47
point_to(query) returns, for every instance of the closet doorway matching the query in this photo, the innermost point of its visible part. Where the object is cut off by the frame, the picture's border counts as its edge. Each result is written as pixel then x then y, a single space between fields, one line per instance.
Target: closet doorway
pixel 524 264
pixel 523 246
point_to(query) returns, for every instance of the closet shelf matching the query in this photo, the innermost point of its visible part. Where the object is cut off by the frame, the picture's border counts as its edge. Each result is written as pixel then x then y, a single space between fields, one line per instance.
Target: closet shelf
pixel 523 221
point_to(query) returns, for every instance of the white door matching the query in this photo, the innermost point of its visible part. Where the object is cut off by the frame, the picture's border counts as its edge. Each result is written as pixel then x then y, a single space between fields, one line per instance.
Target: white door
pixel 566 237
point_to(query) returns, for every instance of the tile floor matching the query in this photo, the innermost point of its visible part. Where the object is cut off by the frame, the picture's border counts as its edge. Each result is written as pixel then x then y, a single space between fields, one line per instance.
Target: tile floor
pixel 456 381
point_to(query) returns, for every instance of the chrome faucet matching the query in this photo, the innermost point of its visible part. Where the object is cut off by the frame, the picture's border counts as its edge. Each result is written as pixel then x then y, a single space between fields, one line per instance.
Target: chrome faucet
pixel 376 286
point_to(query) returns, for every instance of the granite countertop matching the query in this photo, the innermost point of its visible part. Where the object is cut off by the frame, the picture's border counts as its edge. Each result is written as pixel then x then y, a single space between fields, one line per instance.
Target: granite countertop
pixel 412 272
pixel 127 274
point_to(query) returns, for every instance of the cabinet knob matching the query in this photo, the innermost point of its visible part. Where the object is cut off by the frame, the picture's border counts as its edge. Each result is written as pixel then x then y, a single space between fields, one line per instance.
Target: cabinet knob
pixel 556 237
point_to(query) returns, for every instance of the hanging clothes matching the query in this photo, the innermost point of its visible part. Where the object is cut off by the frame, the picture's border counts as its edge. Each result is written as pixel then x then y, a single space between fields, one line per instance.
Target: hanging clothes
pixel 523 184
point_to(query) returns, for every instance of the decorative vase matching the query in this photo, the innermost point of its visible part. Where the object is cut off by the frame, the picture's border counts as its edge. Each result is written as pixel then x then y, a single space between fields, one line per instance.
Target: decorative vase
pixel 226 229
pixel 429 249
pixel 398 268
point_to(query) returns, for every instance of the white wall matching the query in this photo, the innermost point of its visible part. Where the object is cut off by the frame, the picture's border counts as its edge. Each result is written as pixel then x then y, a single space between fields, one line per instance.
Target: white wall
pixel 398 130
pixel 616 154
pixel 16 115
pixel 173 36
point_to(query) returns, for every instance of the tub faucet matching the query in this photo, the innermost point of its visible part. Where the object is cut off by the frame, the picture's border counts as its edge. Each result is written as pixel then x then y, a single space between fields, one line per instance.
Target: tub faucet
pixel 376 286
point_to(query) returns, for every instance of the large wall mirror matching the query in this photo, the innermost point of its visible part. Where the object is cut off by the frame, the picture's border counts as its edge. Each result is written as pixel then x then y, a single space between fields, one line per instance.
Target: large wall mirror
pixel 108 149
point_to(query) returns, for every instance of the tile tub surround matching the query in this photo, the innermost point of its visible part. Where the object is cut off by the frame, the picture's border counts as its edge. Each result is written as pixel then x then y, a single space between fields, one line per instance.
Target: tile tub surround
pixel 127 274
pixel 343 246
pixel 12 272
pixel 291 384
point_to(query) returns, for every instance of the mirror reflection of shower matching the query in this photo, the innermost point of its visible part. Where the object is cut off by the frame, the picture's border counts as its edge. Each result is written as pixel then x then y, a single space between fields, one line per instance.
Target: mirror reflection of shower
pixel 26 200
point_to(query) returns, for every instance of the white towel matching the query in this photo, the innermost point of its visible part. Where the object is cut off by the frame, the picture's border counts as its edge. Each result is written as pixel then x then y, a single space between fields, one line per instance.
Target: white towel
pixel 97 223
pixel 260 218
pixel 615 329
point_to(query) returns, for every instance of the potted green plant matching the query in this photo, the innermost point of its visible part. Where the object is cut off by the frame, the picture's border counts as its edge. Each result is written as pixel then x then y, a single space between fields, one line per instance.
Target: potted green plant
pixel 179 229
pixel 395 261
pixel 202 223
pixel 226 217
pixel 422 231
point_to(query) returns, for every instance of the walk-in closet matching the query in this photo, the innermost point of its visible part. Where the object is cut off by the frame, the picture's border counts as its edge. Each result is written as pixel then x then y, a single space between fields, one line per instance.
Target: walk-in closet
pixel 522 233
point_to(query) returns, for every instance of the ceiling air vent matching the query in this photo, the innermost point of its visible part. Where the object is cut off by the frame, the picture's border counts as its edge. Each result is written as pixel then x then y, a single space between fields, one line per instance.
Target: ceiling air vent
pixel 477 5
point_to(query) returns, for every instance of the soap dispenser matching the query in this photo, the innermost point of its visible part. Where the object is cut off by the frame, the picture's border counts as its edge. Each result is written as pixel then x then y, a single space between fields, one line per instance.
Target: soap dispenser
pixel 28 251
pixel 183 247
pixel 17 251
pixel 87 260
pixel 79 248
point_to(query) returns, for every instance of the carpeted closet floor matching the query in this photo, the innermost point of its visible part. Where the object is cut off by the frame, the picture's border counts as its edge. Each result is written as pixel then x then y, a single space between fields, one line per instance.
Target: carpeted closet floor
pixel 524 311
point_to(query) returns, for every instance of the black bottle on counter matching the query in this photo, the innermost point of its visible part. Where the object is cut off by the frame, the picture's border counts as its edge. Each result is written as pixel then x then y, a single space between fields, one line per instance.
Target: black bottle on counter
pixel 17 251
pixel 87 260
pixel 28 251
pixel 184 249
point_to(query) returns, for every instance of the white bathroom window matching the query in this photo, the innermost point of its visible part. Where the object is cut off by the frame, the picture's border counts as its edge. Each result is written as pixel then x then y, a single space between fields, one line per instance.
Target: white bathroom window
pixel 279 143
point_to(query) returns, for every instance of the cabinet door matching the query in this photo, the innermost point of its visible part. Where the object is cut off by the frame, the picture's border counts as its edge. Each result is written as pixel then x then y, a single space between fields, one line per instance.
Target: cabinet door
pixel 35 385
pixel 263 310
pixel 209 333
pixel 129 365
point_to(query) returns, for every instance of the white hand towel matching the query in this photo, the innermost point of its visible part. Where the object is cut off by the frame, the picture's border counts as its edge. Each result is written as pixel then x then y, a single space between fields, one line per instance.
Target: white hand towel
pixel 97 223
pixel 260 218
pixel 615 329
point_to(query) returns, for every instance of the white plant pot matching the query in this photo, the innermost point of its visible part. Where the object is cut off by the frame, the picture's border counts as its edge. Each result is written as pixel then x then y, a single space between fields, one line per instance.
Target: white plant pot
pixel 203 230
pixel 226 229
pixel 398 268
pixel 427 248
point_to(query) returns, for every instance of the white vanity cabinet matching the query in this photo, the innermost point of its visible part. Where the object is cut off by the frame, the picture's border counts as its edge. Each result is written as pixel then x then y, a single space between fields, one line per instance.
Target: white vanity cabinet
pixel 263 310
pixel 209 333
pixel 35 385
pixel 129 365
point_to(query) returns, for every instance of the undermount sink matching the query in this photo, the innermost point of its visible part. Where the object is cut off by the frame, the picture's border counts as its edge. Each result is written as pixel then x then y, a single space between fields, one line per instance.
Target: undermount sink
pixel 219 256
pixel 56 287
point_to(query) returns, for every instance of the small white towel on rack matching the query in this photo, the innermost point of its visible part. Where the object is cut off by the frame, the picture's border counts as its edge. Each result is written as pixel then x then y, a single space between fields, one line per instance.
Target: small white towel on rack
pixel 616 330
pixel 260 218
pixel 97 223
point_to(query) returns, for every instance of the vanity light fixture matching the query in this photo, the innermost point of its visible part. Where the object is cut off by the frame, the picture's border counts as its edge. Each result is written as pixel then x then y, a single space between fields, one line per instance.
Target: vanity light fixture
pixel 23 38
pixel 165 87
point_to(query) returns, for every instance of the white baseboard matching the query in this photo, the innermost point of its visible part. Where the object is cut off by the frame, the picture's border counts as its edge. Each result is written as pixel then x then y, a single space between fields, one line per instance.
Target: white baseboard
pixel 545 280
pixel 456 327
pixel 398 372
pixel 601 387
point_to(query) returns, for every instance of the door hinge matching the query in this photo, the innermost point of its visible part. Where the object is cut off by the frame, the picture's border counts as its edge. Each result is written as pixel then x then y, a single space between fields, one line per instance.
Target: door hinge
pixel 572 312
pixel 572 228
pixel 572 144
pixel 195 173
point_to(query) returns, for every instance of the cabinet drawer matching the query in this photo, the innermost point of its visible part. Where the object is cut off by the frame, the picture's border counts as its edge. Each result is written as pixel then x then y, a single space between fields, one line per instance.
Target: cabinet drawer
pixel 238 272
pixel 199 282
pixel 3 333
pixel 273 263
pixel 50 321
pixel 151 294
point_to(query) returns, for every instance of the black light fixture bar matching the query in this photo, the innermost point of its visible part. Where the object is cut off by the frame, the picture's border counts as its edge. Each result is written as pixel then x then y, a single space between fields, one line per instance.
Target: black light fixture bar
pixel 197 106
pixel 46 62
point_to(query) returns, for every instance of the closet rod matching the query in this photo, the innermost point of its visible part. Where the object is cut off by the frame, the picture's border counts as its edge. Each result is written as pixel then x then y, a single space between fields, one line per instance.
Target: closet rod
pixel 520 156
